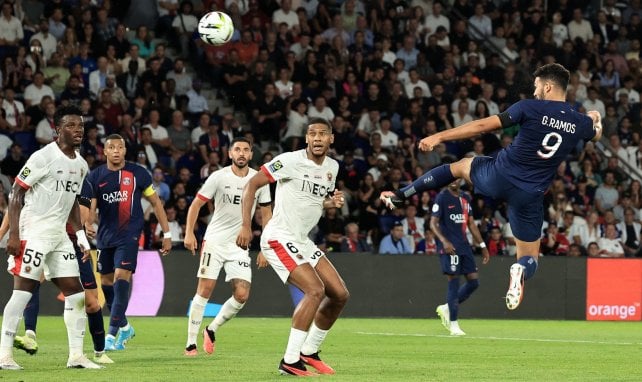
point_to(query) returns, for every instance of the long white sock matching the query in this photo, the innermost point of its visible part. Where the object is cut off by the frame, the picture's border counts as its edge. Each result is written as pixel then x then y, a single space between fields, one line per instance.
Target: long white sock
pixel 10 320
pixel 313 340
pixel 75 321
pixel 195 318
pixel 295 342
pixel 229 309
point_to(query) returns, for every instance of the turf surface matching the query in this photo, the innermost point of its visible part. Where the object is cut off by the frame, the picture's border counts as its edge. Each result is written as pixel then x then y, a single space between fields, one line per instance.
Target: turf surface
pixel 249 349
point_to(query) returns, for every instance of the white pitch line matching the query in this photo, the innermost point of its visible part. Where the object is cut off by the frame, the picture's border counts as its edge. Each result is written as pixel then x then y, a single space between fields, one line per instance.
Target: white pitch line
pixel 500 338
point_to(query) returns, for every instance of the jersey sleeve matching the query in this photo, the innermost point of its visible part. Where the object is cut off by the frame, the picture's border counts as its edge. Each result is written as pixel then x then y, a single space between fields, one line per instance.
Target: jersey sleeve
pixel 263 195
pixel 86 193
pixel 208 189
pixel 515 114
pixel 35 168
pixel 589 131
pixel 144 181
pixel 281 167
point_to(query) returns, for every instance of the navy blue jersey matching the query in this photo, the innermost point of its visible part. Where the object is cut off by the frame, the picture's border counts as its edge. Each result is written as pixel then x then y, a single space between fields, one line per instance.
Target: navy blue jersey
pixel 453 212
pixel 118 195
pixel 549 131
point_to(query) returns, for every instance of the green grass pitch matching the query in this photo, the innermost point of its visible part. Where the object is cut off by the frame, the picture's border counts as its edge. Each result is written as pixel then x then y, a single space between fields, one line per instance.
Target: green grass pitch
pixel 249 349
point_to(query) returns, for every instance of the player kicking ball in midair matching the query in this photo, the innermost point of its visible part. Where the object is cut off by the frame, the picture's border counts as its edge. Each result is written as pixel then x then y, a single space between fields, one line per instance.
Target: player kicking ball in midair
pixel 550 129
pixel 451 216
pixel 219 249
pixel 116 188
pixel 305 182
pixel 43 199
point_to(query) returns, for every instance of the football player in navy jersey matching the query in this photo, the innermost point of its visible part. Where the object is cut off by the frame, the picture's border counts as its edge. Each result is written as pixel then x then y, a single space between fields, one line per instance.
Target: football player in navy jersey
pixel 116 189
pixel 452 216
pixel 520 174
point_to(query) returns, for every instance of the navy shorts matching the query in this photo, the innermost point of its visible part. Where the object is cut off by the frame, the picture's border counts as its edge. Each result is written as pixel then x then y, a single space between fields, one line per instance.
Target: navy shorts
pixel 525 209
pixel 87 277
pixel 124 256
pixel 461 263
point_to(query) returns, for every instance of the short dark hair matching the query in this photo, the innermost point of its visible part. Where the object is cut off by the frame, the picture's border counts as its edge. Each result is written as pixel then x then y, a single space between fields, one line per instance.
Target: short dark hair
pixel 241 139
pixel 65 111
pixel 319 121
pixel 554 72
pixel 114 136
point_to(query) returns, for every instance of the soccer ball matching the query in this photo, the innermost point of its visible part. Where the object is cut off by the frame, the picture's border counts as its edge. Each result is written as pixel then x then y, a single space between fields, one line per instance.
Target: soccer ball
pixel 216 28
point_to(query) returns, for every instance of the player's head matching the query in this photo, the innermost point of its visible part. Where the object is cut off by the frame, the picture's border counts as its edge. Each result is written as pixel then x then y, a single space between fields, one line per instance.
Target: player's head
pixel 455 185
pixel 240 152
pixel 69 125
pixel 115 149
pixel 319 136
pixel 551 81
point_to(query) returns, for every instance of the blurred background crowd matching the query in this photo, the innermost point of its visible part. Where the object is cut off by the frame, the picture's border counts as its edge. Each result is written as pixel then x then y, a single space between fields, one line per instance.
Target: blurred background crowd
pixel 384 72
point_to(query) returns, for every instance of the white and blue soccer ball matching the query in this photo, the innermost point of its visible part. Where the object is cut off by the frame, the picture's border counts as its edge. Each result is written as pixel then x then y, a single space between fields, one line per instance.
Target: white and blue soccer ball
pixel 216 28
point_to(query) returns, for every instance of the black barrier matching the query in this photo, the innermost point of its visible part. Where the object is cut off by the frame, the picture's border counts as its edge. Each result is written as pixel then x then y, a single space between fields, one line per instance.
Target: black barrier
pixel 380 286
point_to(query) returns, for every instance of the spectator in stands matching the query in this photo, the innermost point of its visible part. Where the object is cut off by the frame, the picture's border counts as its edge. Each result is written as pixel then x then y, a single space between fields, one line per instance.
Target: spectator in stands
pixel 213 164
pixel 14 111
pixel 331 226
pixel 12 163
pixel 177 230
pixel 158 180
pixel 395 243
pixel 352 242
pixel 184 24
pixel 10 30
pixel 606 195
pixel 120 42
pixel 149 153
pixel 179 136
pixel 214 140
pixel 285 14
pixel 579 28
pixel 196 104
pixel 630 229
pixel 33 93
pixel 610 245
pixel 554 243
pixel 46 128
pixel 266 116
pixel 143 40
pixel 413 226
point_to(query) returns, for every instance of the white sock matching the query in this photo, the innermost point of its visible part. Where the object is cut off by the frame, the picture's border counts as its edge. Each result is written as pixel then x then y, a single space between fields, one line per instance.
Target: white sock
pixel 195 318
pixel 313 340
pixel 126 327
pixel 10 320
pixel 229 309
pixel 75 321
pixel 295 342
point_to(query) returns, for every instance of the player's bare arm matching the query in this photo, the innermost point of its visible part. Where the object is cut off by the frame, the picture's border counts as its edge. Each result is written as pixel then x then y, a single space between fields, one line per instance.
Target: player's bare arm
pixel 90 218
pixel 162 220
pixel 478 239
pixel 337 200
pixel 465 131
pixel 15 208
pixel 76 224
pixel 434 226
pixel 247 202
pixel 192 214
pixel 597 124
pixel 266 215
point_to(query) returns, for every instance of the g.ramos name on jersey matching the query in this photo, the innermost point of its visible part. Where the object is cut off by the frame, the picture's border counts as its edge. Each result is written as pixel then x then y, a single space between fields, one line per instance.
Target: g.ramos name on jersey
pixel 558 124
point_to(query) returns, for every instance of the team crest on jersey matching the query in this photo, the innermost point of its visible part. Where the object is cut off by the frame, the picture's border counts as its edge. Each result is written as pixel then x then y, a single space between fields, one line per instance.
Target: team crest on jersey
pixel 127 181
pixel 329 175
pixel 276 166
pixel 25 173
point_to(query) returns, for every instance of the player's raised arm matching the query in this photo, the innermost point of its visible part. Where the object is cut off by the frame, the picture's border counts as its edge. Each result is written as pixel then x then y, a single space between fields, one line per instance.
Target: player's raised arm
pixel 597 124
pixel 259 180
pixel 465 131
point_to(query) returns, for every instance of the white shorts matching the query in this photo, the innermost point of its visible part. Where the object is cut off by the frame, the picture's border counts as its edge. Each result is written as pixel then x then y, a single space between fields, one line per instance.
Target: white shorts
pixel 232 258
pixel 56 258
pixel 285 254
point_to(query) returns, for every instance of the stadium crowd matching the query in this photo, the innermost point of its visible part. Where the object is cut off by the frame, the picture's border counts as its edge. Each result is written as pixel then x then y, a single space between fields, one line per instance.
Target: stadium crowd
pixel 385 72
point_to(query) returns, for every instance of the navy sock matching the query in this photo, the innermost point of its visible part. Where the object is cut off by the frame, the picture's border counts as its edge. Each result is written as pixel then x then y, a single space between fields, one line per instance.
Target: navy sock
pixel 452 298
pixel 97 329
pixel 296 294
pixel 432 180
pixel 530 266
pixel 108 291
pixel 30 313
pixel 467 289
pixel 121 299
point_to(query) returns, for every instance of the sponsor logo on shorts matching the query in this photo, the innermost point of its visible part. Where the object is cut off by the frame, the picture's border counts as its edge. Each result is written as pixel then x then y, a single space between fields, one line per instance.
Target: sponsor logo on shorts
pixel 453 268
pixel 276 166
pixel 203 270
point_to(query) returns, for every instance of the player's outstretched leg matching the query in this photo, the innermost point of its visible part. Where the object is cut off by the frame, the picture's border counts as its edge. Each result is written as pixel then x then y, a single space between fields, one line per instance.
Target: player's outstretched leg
pixel 228 311
pixel 196 311
pixel 521 271
pixel 10 320
pixel 434 179
pixel 28 341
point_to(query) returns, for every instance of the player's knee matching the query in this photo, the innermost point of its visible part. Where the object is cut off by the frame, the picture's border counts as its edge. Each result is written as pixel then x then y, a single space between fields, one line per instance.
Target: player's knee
pixel 241 296
pixel 316 292
pixel 91 306
pixel 473 284
pixel 342 296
